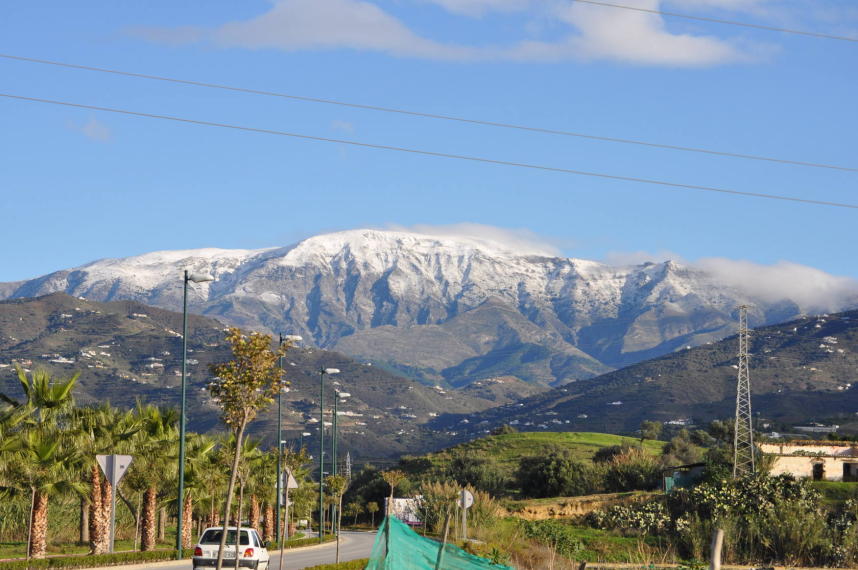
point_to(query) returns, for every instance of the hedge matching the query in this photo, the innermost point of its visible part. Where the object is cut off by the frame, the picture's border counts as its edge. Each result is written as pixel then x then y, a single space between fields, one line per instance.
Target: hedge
pixel 296 542
pixel 119 558
pixel 114 559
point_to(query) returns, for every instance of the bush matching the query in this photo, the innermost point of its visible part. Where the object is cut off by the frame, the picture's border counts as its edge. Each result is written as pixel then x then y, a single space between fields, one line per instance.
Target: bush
pixel 559 536
pixel 556 474
pixel 770 519
pixel 478 472
pixel 633 470
pixel 648 518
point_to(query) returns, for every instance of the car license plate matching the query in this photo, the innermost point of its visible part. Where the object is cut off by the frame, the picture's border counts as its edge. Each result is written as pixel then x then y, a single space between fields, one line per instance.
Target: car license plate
pixel 229 554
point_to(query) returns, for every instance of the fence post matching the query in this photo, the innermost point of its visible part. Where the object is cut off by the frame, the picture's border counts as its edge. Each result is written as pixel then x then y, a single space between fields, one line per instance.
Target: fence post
pixel 443 544
pixel 715 555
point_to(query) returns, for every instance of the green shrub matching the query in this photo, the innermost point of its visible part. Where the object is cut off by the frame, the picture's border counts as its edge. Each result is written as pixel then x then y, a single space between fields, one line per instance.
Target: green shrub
pixel 632 470
pixel 556 474
pixel 553 533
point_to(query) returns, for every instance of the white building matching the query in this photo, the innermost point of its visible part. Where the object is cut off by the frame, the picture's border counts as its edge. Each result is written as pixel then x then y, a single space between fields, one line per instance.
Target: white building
pixel 830 461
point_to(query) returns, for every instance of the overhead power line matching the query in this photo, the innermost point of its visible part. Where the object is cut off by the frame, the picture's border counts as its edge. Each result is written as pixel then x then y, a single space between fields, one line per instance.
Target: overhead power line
pixel 432 153
pixel 720 21
pixel 426 115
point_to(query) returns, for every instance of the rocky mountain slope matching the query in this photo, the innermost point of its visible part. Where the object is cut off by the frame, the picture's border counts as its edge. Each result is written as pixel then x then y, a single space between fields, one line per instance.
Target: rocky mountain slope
pixel 443 310
pixel 801 371
pixel 125 350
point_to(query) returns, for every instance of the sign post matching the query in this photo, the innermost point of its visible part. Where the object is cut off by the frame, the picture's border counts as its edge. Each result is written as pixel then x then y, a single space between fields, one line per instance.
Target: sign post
pixel 283 500
pixel 114 467
pixel 466 500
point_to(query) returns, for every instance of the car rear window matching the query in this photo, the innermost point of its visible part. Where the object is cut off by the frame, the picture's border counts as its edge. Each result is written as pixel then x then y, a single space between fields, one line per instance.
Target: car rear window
pixel 213 536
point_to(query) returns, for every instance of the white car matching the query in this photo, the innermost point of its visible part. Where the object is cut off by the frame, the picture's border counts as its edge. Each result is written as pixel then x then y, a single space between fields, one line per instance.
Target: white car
pixel 251 549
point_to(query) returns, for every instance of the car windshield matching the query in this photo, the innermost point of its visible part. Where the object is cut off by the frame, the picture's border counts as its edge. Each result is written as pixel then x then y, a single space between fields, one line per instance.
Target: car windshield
pixel 213 536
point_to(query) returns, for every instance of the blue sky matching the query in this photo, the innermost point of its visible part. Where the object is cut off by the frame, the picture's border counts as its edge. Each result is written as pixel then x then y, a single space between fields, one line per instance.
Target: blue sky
pixel 78 185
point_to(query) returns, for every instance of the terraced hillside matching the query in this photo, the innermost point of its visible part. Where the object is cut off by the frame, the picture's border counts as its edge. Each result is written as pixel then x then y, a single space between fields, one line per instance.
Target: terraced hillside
pixel 126 350
pixel 802 371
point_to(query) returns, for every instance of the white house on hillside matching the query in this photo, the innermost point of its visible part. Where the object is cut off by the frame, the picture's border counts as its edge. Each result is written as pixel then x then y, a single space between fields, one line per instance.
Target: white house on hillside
pixel 830 461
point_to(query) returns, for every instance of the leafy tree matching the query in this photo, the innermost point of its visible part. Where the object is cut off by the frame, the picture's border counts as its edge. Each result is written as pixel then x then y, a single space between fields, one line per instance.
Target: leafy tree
pixel 606 454
pixel 555 474
pixel 702 438
pixel 393 478
pixel 243 386
pixel 336 485
pixel 354 510
pixel 721 431
pixel 650 430
pixel 372 508
pixel 680 450
pixel 480 472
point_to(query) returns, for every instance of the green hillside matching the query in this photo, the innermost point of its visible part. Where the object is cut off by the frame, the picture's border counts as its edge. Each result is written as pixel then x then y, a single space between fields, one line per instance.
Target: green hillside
pixel 505 451
pixel 508 448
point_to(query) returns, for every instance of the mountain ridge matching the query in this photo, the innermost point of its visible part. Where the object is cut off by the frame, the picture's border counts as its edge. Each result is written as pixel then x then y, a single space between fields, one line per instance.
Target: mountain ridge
pixel 569 319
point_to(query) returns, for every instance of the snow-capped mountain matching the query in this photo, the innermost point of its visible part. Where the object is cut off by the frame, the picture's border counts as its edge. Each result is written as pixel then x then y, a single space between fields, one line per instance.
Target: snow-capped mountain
pixel 441 308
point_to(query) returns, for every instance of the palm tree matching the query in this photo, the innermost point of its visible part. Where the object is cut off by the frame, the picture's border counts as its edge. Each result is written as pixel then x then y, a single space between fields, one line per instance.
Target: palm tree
pixel 372 508
pixel 100 429
pixel 154 462
pixel 40 457
pixel 197 456
pixel 48 466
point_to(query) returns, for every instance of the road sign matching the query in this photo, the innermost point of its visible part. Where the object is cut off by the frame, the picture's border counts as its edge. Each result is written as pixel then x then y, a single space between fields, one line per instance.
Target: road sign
pixel 291 483
pixel 466 499
pixel 114 467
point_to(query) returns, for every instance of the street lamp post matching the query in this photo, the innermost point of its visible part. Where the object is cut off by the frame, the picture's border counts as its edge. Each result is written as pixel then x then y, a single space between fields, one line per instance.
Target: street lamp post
pixel 340 396
pixel 288 338
pixel 322 372
pixel 188 277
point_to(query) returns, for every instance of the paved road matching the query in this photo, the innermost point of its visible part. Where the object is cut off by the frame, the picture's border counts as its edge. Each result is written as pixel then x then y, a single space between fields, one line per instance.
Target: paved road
pixel 353 545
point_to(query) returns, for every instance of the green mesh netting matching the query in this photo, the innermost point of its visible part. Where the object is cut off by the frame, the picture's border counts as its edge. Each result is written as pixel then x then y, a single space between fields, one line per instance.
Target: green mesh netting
pixel 397 547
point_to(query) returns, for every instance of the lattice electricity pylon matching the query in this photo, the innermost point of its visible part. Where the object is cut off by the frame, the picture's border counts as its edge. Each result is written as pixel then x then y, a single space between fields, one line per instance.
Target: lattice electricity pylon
pixel 743 438
pixel 348 470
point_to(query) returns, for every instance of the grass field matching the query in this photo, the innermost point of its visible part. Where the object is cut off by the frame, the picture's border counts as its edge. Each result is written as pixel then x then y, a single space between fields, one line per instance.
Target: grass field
pixel 508 448
pixel 836 492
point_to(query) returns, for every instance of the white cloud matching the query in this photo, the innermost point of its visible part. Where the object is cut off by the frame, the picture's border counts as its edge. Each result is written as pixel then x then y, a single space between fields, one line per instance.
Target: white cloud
pixel 343 126
pixel 93 129
pixel 636 37
pixel 480 7
pixel 318 24
pixel 592 32
pixel 522 241
pixel 813 289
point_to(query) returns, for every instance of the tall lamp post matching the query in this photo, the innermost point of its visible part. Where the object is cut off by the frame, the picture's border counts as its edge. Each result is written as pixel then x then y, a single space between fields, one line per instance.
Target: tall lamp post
pixel 290 338
pixel 322 372
pixel 196 278
pixel 339 397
